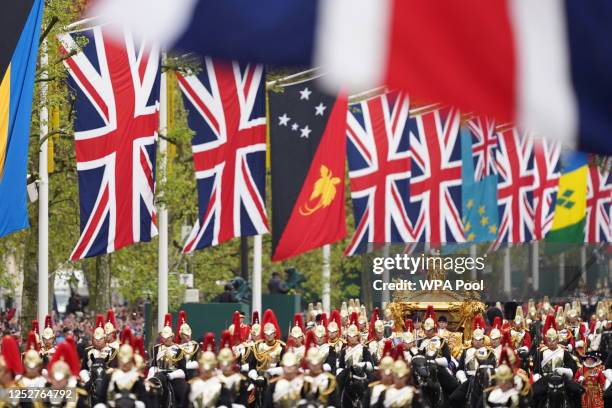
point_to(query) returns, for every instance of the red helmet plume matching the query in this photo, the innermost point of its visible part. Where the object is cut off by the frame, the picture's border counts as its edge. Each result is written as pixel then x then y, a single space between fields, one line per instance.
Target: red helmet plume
pixel 32 343
pixel 226 340
pixel 208 344
pixel 66 352
pixel 497 323
pixel 398 352
pixel 291 342
pixel 168 320
pixel 237 332
pixel 255 317
pixel 298 320
pixel 354 319
pixel 373 320
pixel 387 348
pixel 99 321
pixel 35 328
pixel 334 316
pixel 506 340
pixel 139 346
pixel 478 322
pixel 310 340
pixel 508 357
pixel 431 312
pixel 408 325
pixel 72 341
pixel 48 322
pixel 324 319
pixel 11 354
pixel 270 317
pixel 126 336
pixel 550 323
pixel 182 319
pixel 245 331
pixel 110 318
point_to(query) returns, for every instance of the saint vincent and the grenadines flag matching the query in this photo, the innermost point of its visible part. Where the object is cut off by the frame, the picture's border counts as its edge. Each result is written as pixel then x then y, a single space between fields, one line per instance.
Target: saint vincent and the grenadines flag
pixel 570 207
pixel 307 138
pixel 20 32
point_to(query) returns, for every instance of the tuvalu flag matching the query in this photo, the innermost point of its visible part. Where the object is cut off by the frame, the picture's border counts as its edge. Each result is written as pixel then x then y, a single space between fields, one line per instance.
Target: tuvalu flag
pixel 308 148
pixel 20 31
pixel 570 207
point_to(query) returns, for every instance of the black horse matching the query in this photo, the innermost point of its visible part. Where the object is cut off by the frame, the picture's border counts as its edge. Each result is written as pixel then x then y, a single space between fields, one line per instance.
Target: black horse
pixel 161 393
pixel 98 377
pixel 553 391
pixel 125 399
pixel 425 376
pixel 478 383
pixel 353 383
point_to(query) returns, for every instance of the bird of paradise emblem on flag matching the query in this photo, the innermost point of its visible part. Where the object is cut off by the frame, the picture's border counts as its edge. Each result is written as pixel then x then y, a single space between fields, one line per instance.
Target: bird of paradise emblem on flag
pixel 324 191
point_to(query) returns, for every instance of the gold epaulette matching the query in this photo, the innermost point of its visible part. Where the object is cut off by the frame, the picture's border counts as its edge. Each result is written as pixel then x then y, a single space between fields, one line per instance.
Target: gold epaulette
pixel 82 391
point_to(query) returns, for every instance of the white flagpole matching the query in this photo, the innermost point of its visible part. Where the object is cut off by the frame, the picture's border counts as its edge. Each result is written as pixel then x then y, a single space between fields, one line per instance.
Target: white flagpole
pixel 583 261
pixel 43 192
pixel 386 277
pixel 326 292
pixel 162 212
pixel 561 269
pixel 535 264
pixel 257 261
pixel 473 254
pixel 507 282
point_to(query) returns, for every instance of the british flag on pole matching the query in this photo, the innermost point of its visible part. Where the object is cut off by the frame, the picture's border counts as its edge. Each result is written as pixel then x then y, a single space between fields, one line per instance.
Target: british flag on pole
pixel 484 145
pixel 435 187
pixel 599 204
pixel 116 82
pixel 547 171
pixel 378 153
pixel 516 184
pixel 229 151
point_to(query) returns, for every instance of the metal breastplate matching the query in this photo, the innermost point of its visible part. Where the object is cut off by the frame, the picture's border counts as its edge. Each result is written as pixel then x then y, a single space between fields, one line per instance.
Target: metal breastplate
pixel 189 349
pixel 551 360
pixel 267 356
pixel 353 355
pixel 205 393
pixel 399 398
pixel 168 358
pixel 288 393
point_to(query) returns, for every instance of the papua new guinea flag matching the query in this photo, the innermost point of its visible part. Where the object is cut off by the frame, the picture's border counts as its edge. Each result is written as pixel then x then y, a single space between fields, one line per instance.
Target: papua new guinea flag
pixel 308 148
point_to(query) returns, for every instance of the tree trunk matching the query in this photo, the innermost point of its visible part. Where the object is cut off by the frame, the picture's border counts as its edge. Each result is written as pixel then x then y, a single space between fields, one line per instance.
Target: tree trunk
pixel 30 277
pixel 99 284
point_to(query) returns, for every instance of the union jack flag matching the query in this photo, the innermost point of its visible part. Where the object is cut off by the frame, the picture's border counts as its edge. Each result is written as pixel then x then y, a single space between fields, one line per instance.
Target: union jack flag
pixel 484 145
pixel 435 188
pixel 117 117
pixel 547 171
pixel 514 161
pixel 379 167
pixel 599 205
pixel 229 151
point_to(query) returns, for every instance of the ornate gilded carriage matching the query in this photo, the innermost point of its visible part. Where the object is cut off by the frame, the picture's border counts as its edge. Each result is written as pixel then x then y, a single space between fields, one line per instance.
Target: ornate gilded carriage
pixel 458 307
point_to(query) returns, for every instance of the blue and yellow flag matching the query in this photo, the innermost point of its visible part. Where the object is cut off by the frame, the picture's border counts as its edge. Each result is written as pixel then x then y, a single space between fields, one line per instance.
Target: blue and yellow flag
pixel 20 32
pixel 480 216
pixel 570 208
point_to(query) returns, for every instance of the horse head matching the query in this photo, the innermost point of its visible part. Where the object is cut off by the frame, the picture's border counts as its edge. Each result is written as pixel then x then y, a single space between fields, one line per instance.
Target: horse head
pixel 556 390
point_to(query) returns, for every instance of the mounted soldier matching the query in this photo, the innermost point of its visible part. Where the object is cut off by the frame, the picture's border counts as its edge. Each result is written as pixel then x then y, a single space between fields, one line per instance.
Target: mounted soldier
pixel 168 364
pixel 190 348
